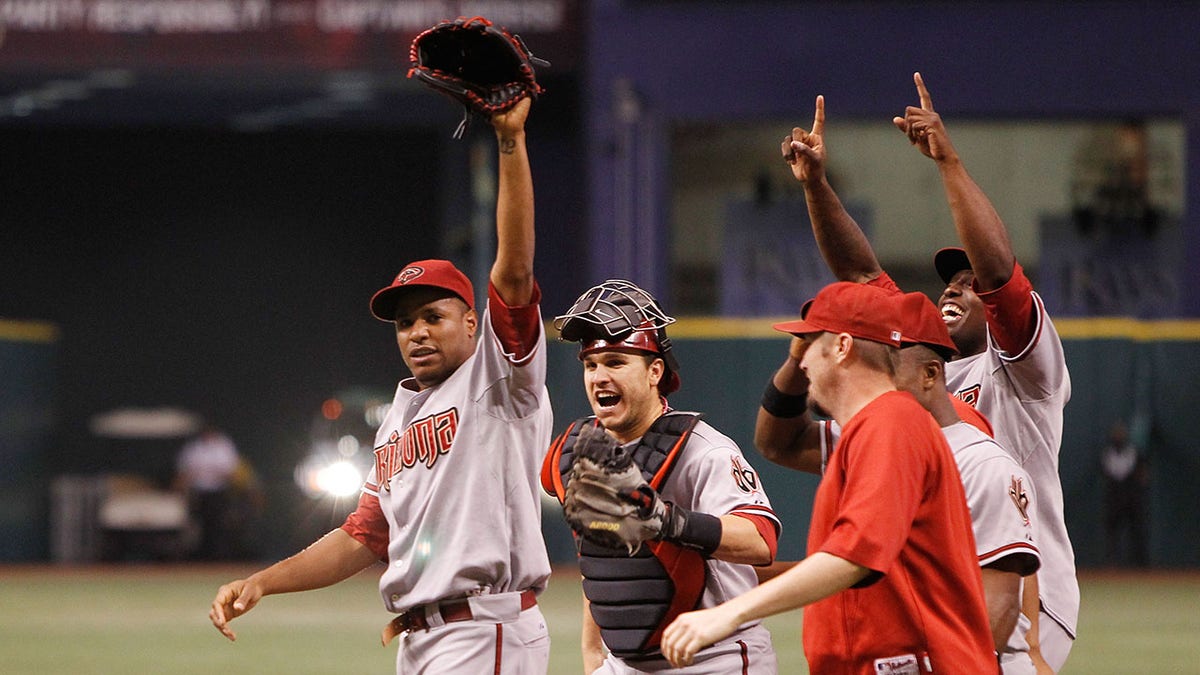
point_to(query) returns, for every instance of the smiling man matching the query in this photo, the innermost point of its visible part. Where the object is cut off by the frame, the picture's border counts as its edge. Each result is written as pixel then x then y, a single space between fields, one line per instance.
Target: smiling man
pixel 1011 365
pixel 719 521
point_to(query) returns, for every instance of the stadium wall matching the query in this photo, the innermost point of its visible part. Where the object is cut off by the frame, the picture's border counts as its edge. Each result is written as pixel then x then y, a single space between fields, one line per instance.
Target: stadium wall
pixel 1118 367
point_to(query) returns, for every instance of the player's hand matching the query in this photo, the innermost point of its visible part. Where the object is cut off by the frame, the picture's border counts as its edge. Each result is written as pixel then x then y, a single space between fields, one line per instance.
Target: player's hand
pixel 924 127
pixel 692 631
pixel 512 121
pixel 804 151
pixel 797 348
pixel 233 600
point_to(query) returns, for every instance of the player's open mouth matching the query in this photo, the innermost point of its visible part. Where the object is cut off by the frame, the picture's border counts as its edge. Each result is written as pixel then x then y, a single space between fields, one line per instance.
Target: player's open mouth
pixel 951 312
pixel 607 400
pixel 421 352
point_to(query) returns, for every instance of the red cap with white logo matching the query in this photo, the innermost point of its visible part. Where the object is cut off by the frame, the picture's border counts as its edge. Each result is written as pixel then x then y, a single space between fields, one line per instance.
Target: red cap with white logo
pixel 422 273
pixel 861 310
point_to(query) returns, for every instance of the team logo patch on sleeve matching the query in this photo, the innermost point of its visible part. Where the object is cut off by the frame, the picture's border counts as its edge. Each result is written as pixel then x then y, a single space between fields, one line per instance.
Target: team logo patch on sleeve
pixel 743 475
pixel 1016 491
pixel 970 395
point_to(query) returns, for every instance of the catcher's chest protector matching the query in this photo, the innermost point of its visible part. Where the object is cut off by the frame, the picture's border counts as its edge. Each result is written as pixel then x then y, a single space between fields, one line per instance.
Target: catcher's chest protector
pixel 633 598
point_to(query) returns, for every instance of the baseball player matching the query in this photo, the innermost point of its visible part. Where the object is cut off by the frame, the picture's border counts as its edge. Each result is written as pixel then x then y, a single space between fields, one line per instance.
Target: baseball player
pixel 726 521
pixel 890 546
pixel 997 489
pixel 1010 366
pixel 452 502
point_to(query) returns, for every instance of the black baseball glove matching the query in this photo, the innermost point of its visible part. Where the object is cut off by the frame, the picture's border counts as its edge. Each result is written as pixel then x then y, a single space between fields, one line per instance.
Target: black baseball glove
pixel 482 66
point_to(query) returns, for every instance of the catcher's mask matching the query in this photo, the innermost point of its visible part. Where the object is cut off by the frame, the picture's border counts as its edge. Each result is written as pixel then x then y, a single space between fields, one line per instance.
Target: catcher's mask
pixel 618 315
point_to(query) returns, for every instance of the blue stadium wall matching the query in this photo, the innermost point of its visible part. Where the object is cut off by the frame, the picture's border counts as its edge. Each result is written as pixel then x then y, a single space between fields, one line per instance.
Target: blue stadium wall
pixel 28 377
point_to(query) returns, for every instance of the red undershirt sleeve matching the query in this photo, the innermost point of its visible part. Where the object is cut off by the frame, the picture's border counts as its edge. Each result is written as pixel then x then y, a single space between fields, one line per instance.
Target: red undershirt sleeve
pixel 1011 315
pixel 767 529
pixel 368 525
pixel 517 327
pixel 885 282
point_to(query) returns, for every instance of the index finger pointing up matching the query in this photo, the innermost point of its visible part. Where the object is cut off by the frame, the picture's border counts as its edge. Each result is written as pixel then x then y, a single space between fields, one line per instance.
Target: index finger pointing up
pixel 818 126
pixel 926 100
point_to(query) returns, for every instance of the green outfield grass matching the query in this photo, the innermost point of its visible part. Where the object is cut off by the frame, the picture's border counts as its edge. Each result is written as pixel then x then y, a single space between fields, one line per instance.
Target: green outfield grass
pixel 153 619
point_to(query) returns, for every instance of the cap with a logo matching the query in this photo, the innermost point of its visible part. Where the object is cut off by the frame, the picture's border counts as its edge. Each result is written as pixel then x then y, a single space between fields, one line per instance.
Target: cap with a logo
pixel 923 324
pixel 861 310
pixel 422 273
pixel 950 261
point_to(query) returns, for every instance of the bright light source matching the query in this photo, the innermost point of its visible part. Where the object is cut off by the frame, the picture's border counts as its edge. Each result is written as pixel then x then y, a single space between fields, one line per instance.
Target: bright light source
pixel 340 479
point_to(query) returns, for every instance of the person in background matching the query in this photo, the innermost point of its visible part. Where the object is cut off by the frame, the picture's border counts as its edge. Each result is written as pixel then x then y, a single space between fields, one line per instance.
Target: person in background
pixel 205 471
pixel 1125 479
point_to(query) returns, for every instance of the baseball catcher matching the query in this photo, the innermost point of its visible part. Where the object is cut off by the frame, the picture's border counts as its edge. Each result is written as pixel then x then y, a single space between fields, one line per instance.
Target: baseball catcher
pixel 482 66
pixel 668 514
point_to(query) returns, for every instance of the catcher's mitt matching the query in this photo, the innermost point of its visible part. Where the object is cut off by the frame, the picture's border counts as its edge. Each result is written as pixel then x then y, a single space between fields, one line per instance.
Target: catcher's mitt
pixel 607 500
pixel 482 66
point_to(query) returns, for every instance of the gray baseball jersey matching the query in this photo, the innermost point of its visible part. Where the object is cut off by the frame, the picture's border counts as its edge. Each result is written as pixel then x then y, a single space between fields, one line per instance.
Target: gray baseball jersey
pixel 1023 394
pixel 455 474
pixel 1000 496
pixel 712 476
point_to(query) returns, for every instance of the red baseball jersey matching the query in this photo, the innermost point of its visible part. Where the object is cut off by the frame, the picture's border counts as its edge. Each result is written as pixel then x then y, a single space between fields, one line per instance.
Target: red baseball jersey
pixel 892 500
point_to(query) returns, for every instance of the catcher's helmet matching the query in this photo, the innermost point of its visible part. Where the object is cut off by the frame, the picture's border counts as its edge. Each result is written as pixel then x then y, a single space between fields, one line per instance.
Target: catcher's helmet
pixel 617 314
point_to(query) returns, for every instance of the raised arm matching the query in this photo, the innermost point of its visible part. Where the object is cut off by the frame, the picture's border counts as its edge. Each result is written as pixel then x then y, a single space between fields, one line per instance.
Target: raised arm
pixel 512 273
pixel 784 431
pixel 979 227
pixel 840 239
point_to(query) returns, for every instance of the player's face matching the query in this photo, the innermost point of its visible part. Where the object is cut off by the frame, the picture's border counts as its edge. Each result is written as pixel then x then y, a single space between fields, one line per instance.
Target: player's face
pixel 962 310
pixel 622 390
pixel 817 365
pixel 435 333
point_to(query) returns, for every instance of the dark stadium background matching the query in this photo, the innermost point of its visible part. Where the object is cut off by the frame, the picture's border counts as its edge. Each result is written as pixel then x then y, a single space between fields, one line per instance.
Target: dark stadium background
pixel 208 236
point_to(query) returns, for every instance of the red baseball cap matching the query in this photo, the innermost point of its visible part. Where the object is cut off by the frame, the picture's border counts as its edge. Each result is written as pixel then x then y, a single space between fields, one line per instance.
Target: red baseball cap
pixel 923 324
pixel 429 273
pixel 862 310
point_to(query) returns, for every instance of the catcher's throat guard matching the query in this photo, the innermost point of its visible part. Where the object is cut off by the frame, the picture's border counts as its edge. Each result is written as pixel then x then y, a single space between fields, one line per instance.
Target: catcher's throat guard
pixel 484 67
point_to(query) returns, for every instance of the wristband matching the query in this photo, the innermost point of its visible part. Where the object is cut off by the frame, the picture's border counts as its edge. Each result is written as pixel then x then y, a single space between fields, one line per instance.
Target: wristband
pixel 692 529
pixel 783 405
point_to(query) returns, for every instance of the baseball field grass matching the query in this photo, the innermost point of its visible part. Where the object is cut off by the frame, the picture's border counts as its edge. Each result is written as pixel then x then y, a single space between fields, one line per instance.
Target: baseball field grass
pixel 151 618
